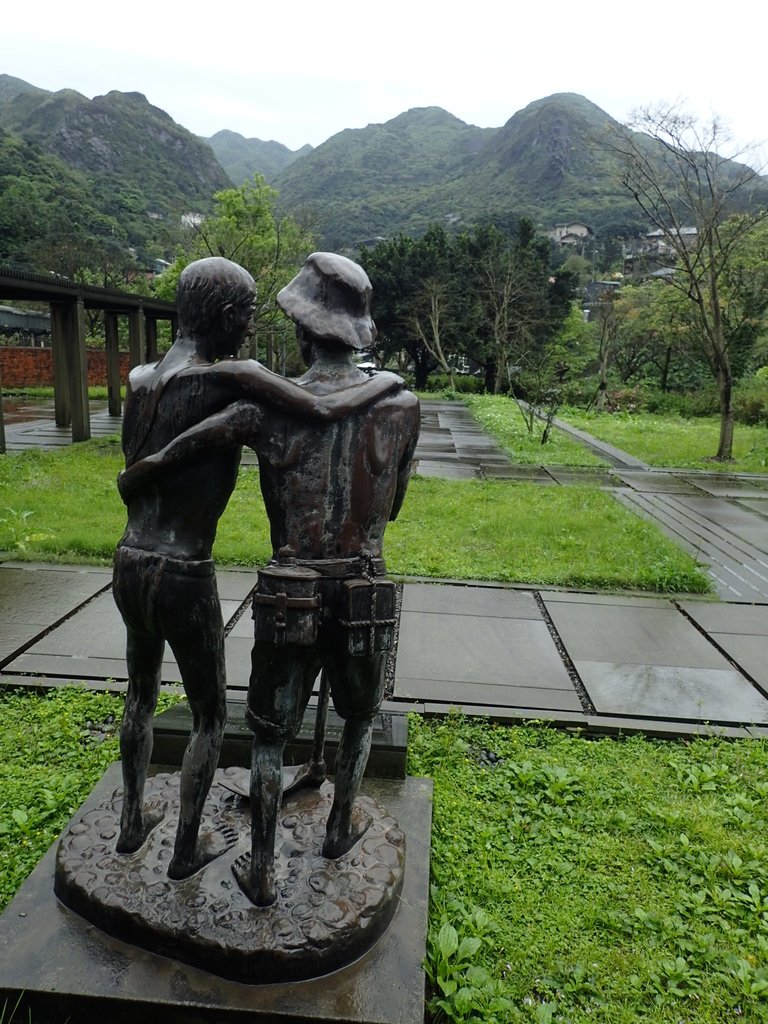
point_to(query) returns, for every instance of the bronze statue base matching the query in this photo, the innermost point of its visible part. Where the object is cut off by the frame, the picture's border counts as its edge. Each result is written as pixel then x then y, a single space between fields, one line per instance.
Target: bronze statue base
pixel 327 914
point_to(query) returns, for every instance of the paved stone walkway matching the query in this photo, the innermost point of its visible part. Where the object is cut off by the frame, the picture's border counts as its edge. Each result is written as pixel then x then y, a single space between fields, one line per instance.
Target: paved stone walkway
pixel 721 518
pixel 600 662
pixel 603 663
pixel 35 428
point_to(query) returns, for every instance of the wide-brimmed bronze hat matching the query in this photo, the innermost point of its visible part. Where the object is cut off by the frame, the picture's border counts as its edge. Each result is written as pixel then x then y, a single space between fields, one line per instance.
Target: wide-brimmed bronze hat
pixel 331 298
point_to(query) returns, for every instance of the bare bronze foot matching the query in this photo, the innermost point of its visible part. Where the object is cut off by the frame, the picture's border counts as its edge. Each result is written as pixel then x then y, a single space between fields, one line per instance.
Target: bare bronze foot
pixel 133 838
pixel 260 891
pixel 337 843
pixel 210 845
pixel 308 776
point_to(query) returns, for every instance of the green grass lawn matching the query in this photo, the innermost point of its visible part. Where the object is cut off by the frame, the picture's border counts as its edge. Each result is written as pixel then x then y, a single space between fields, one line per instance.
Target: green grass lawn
pixel 501 417
pixel 674 441
pixel 64 506
pixel 610 881
pixel 573 881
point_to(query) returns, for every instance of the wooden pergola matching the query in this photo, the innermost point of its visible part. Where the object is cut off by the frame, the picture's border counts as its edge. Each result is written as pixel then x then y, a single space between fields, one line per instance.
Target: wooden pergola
pixel 68 302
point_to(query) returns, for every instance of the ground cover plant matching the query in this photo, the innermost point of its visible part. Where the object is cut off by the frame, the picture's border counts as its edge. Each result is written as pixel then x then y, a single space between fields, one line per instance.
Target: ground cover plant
pixel 64 506
pixel 502 419
pixel 53 750
pixel 674 441
pixel 610 881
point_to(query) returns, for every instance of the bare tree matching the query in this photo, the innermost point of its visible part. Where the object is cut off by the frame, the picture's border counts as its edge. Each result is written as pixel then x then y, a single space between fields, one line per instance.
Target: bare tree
pixel 429 320
pixel 674 169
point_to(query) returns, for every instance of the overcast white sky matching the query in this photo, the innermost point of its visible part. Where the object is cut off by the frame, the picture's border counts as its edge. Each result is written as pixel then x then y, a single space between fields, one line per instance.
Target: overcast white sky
pixel 300 72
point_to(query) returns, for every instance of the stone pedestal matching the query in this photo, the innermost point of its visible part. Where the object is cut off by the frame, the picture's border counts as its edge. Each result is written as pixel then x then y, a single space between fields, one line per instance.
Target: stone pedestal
pixel 63 966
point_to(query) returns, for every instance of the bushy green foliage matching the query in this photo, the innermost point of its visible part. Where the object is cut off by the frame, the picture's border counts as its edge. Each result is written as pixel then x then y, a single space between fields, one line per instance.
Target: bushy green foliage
pixel 609 881
pixel 485 295
pixel 463 384
pixel 243 227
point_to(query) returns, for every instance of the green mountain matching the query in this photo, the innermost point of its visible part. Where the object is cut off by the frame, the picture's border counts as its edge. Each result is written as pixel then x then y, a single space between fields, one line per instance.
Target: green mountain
pixel 241 158
pixel 118 172
pixel 125 160
pixel 10 87
pixel 385 177
pixel 552 161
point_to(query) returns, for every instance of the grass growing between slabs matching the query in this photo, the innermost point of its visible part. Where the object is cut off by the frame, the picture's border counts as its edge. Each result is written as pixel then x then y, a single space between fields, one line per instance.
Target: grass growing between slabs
pixel 675 442
pixel 573 881
pixel 608 881
pixel 502 419
pixel 64 506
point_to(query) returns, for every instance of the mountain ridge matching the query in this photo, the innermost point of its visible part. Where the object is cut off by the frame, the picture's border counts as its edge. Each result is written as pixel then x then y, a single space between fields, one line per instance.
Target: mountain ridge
pixel 552 161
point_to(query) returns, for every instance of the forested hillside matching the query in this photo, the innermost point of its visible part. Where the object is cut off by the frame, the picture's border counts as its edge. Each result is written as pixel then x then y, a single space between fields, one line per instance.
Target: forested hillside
pixel 114 173
pixel 241 158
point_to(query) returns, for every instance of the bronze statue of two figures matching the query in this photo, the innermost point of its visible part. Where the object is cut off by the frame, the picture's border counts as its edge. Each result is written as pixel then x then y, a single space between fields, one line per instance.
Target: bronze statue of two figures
pixel 224 868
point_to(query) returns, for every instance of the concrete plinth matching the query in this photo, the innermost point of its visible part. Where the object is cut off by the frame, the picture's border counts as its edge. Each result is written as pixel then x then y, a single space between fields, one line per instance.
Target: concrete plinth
pixel 386 760
pixel 63 968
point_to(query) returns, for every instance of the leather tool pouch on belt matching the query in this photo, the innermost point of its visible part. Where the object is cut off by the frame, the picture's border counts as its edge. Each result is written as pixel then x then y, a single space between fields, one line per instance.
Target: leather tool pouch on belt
pixel 368 616
pixel 286 605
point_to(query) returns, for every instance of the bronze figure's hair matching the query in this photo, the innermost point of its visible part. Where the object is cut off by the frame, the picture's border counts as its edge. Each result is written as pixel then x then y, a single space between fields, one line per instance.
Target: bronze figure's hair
pixel 205 287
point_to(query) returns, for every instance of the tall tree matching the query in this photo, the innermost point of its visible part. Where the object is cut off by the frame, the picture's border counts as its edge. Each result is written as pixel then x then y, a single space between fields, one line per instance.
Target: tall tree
pixel 674 169
pixel 415 299
pixel 515 304
pixel 245 228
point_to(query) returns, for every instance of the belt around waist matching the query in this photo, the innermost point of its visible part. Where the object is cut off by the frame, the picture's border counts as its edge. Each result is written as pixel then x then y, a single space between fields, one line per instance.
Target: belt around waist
pixel 338 568
pixel 155 559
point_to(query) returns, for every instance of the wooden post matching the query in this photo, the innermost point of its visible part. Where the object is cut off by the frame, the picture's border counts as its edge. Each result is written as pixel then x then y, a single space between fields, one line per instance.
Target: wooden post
pixel 61 402
pixel 77 365
pixel 136 337
pixel 151 338
pixel 113 363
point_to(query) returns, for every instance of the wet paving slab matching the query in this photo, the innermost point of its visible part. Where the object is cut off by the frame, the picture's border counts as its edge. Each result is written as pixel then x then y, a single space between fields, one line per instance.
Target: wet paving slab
pixel 656 483
pixel 35 598
pixel 724 486
pixel 477 647
pixel 90 643
pixel 672 692
pixel 656 662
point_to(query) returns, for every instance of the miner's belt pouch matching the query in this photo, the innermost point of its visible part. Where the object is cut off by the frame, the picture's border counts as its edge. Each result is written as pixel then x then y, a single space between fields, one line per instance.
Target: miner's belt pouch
pixel 368 616
pixel 286 605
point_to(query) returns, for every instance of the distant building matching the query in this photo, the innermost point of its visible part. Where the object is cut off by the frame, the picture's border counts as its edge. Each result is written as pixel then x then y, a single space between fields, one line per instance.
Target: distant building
pixel 573 233
pixel 654 254
pixel 658 241
pixel 597 292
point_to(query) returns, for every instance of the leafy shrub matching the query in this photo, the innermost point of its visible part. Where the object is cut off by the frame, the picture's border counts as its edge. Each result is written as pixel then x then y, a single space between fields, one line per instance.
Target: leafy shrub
pixel 750 401
pixel 464 384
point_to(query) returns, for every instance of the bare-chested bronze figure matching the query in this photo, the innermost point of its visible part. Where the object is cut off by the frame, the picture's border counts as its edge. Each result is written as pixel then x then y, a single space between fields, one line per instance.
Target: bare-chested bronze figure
pixel 329 491
pixel 164 581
